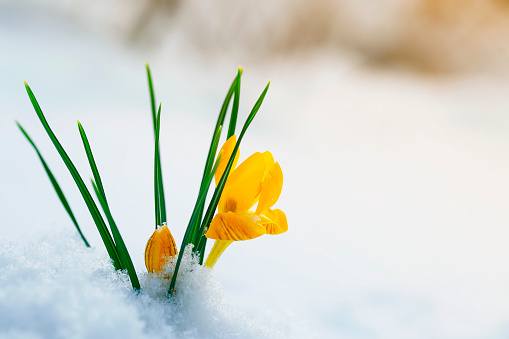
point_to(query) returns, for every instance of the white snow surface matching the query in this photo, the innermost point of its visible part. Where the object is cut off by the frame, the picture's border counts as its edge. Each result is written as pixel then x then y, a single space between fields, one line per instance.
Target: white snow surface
pixel 55 287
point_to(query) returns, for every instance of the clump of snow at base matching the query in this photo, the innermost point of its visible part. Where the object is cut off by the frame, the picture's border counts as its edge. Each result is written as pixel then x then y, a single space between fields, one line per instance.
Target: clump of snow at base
pixel 55 287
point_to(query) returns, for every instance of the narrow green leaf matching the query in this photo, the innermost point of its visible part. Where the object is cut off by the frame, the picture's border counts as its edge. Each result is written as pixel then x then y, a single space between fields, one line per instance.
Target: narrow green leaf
pixel 96 190
pixel 196 216
pixel 194 221
pixel 219 189
pixel 203 191
pixel 98 182
pixel 92 207
pixel 235 108
pixel 220 121
pixel 195 239
pixel 159 191
pixel 152 96
pixel 124 257
pixel 201 248
pixel 55 184
pixel 157 204
pixel 202 195
pixel 159 200
pixel 162 200
pixel 231 130
pixel 213 149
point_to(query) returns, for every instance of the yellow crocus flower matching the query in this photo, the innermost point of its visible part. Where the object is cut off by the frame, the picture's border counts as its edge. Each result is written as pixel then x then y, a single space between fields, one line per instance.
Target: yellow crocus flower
pixel 160 247
pixel 256 180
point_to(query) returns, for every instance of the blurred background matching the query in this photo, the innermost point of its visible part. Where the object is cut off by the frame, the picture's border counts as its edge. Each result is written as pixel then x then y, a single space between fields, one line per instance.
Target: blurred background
pixel 389 119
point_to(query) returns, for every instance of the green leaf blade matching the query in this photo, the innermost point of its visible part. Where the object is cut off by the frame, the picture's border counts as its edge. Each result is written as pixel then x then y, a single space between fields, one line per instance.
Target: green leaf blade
pixel 210 160
pixel 235 108
pixel 218 191
pixel 220 121
pixel 159 199
pixel 56 186
pixel 152 96
pixel 123 254
pixel 220 186
pixel 162 200
pixel 92 207
pixel 125 258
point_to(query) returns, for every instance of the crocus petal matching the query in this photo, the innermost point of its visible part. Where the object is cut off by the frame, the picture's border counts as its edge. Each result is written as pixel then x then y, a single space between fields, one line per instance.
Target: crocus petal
pixel 160 247
pixel 274 221
pixel 271 188
pixel 233 226
pixel 227 150
pixel 269 161
pixel 243 185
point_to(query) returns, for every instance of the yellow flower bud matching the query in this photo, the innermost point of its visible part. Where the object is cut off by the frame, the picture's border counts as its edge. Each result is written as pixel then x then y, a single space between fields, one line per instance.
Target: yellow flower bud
pixel 160 247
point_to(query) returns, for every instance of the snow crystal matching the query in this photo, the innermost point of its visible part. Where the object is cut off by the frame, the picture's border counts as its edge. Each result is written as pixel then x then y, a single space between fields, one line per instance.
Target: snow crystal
pixel 54 287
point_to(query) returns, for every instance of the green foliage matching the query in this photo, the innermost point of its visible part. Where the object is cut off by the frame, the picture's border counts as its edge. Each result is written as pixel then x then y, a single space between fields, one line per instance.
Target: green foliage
pixel 205 222
pixel 124 257
pixel 160 203
pixel 56 186
pixel 235 108
pixel 117 252
pixel 219 189
pixel 160 209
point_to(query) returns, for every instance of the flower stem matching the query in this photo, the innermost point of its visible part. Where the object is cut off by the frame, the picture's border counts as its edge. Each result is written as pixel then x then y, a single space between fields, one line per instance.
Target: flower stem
pixel 216 251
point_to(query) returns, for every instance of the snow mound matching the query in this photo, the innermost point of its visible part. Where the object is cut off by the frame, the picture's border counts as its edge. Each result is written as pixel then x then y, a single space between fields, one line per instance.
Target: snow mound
pixel 55 287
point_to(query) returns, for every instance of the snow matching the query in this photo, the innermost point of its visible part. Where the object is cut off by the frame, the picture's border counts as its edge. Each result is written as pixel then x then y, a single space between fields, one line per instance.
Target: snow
pixel 54 287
